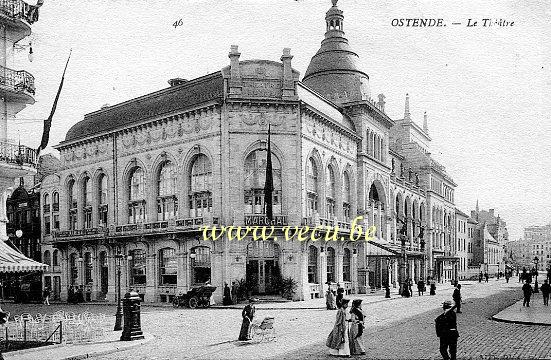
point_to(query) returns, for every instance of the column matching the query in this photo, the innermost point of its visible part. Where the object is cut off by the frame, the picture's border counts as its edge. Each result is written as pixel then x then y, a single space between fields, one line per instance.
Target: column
pixel 322 271
pixel 354 271
pixel 151 278
pixel 64 278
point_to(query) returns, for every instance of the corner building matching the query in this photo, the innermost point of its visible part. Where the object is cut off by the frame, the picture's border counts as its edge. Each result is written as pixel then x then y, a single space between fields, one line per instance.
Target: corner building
pixel 143 177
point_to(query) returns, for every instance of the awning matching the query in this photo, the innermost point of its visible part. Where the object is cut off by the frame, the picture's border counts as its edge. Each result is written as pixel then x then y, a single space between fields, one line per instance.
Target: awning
pixel 379 247
pixel 12 260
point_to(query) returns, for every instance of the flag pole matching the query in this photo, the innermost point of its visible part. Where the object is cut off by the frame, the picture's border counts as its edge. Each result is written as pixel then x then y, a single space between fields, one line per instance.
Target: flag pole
pixel 269 184
pixel 48 121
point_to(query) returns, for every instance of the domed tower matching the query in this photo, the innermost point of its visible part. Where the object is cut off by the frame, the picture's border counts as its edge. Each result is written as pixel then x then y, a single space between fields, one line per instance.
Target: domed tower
pixel 16 92
pixel 333 71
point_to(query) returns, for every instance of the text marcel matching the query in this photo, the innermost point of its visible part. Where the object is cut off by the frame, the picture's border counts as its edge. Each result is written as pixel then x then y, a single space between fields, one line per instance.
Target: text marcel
pixel 417 22
pixel 301 233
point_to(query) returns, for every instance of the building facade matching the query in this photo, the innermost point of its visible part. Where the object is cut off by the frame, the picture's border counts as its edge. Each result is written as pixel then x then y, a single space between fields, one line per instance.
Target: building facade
pixel 140 181
pixel 490 238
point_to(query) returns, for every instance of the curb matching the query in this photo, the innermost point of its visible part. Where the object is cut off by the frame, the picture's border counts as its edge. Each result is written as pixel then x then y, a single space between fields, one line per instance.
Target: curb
pixel 148 338
pixel 518 322
pixel 131 344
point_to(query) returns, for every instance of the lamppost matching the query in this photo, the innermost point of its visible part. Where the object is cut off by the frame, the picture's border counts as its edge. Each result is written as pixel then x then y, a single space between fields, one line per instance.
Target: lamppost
pixel 118 315
pixel 536 261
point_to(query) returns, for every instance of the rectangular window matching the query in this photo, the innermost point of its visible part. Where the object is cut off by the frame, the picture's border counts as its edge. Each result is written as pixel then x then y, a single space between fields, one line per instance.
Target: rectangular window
pixel 56 222
pixel 87 217
pixel 103 216
pixel 168 267
pixel 138 267
pixel 46 225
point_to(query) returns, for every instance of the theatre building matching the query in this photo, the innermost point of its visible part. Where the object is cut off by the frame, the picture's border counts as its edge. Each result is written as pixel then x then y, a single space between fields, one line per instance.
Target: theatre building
pixel 141 178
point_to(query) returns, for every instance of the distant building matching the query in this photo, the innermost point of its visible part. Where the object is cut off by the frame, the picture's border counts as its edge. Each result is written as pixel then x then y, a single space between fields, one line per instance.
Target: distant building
pixel 490 238
pixel 538 238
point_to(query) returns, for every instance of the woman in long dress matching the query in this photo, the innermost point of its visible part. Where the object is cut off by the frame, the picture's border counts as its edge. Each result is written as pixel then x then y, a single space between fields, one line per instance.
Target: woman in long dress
pixel 356 328
pixel 330 300
pixel 248 315
pixel 338 341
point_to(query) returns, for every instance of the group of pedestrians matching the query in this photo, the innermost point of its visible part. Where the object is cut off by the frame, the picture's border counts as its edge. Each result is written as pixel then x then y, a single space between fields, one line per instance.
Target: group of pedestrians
pixel 527 291
pixel 346 337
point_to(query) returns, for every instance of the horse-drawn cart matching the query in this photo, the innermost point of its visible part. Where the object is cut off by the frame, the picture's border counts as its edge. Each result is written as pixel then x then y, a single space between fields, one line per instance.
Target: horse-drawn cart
pixel 195 297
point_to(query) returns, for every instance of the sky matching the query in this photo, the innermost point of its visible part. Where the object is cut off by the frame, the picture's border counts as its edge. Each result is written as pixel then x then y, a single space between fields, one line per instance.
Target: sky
pixel 486 90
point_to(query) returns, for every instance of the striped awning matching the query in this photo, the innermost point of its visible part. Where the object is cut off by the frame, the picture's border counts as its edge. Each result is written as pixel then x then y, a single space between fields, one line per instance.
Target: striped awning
pixel 12 260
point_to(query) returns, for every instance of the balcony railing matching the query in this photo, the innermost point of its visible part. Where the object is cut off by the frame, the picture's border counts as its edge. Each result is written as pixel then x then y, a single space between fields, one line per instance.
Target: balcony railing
pixel 17 80
pixel 18 9
pixel 17 154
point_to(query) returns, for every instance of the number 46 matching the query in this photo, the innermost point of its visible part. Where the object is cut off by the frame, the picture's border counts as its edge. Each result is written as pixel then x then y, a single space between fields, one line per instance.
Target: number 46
pixel 178 23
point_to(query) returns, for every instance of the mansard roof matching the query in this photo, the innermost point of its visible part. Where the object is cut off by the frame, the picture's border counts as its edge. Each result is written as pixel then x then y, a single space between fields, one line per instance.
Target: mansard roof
pixel 179 97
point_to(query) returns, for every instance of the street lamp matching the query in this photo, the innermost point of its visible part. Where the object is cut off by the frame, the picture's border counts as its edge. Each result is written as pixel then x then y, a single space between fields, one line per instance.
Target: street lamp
pixel 536 260
pixel 118 315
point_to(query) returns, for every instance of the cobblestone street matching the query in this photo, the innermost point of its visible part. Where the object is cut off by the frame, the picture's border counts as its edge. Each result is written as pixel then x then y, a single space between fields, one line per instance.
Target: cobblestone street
pixel 301 333
pixel 480 337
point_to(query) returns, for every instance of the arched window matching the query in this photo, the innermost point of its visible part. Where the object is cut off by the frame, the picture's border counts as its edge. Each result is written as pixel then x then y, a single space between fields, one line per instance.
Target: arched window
pixel 46 210
pixel 312 264
pixel 55 258
pixel 47 259
pixel 168 266
pixel 331 275
pixel 137 267
pixel 200 265
pixel 346 265
pixel 103 200
pixel 330 193
pixel 167 203
pixel 55 201
pixel 87 203
pixel 346 196
pixel 46 205
pixel 200 187
pixel 72 204
pixel 255 179
pixel 312 187
pixel 73 268
pixel 88 268
pixel 137 204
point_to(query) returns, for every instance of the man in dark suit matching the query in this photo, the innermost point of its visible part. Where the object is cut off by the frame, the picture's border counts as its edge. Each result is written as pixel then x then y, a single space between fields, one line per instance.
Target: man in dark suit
pixel 446 330
pixel 457 298
pixel 527 290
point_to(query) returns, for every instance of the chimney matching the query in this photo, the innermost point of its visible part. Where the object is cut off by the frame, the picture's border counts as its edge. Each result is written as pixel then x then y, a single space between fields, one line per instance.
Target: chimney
pixel 235 73
pixel 381 102
pixel 407 114
pixel 288 83
pixel 425 123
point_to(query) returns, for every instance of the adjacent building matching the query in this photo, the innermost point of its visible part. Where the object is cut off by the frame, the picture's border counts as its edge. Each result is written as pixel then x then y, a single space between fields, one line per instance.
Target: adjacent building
pixel 490 238
pixel 140 180
pixel 17 91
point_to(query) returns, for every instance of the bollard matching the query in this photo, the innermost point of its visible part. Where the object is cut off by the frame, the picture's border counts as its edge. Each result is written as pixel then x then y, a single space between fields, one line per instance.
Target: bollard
pixel 131 311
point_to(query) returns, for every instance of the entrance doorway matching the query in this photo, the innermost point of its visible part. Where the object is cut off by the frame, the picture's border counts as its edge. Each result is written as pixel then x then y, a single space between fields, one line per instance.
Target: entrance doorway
pixel 263 267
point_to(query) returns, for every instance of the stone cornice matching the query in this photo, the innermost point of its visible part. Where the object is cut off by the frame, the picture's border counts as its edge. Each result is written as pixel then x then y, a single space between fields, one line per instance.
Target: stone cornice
pixel 136 126
pixel 372 109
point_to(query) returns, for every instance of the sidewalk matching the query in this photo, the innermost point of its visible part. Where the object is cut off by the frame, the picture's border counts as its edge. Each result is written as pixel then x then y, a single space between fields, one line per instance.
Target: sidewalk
pixel 536 314
pixel 319 303
pixel 82 351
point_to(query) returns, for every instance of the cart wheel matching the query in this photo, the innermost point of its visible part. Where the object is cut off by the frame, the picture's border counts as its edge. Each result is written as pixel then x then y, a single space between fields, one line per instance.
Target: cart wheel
pixel 193 302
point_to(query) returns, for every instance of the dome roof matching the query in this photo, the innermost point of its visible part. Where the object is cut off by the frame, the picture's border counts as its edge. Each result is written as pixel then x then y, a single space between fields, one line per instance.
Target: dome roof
pixel 334 70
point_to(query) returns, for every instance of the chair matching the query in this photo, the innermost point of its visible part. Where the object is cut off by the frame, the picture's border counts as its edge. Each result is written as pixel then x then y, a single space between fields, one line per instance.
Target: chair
pixel 265 330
